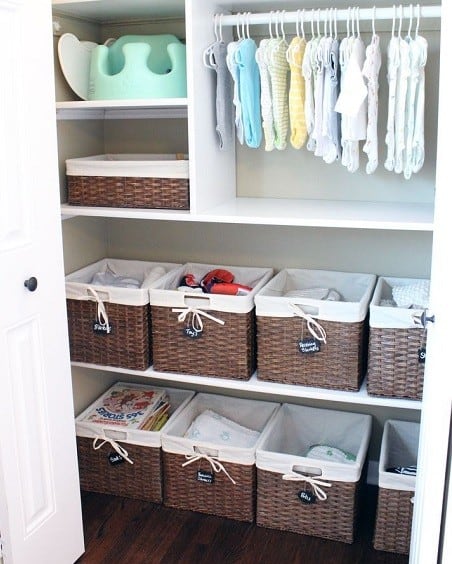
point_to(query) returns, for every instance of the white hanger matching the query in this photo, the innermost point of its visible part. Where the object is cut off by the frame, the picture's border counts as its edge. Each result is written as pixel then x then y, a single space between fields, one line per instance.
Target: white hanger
pixel 335 23
pixel 418 19
pixel 401 18
pixel 393 19
pixel 358 32
pixel 312 24
pixel 373 21
pixel 348 21
pixel 411 21
pixel 318 24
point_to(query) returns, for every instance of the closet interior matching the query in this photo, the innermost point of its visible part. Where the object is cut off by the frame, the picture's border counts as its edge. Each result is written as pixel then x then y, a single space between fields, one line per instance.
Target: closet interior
pixel 248 207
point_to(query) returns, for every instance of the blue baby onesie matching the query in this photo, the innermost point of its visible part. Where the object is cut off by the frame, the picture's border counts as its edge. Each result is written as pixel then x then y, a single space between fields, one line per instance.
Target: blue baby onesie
pixel 249 92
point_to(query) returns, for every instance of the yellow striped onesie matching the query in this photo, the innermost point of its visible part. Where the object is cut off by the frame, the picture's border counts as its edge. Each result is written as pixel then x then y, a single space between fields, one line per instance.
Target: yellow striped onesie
pixel 298 131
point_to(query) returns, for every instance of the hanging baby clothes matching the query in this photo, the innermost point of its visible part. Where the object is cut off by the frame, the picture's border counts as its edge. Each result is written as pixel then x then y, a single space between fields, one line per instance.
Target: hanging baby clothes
pixel 393 65
pixel 331 119
pixel 295 54
pixel 415 105
pixel 249 92
pixel 418 136
pixel 266 96
pixel 306 71
pixel 278 68
pixel 351 102
pixel 215 58
pixel 371 71
pixel 344 55
pixel 403 74
pixel 319 84
pixel 233 69
pixel 312 74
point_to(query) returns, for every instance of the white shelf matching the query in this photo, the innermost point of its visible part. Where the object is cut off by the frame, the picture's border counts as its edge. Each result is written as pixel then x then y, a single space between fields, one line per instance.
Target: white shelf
pixel 105 11
pixel 325 213
pixel 266 388
pixel 272 211
pixel 122 109
pixel 68 211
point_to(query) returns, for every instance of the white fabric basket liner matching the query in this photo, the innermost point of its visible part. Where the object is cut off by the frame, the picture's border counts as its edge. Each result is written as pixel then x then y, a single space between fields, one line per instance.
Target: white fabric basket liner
pixel 252 414
pixel 355 289
pixel 387 317
pixel 178 400
pixel 132 165
pixel 399 447
pixel 165 293
pixel 294 429
pixel 78 282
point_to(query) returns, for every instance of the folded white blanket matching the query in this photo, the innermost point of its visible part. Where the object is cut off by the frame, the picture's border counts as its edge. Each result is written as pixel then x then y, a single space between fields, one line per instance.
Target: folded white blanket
pixel 213 428
pixel 412 295
pixel 315 294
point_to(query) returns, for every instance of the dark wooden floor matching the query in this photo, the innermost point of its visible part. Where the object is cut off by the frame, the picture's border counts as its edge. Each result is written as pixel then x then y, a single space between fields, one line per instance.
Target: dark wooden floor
pixel 119 530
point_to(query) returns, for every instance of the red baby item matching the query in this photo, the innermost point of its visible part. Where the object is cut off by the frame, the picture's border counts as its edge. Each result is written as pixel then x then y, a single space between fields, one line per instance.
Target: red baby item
pixel 216 276
pixel 230 289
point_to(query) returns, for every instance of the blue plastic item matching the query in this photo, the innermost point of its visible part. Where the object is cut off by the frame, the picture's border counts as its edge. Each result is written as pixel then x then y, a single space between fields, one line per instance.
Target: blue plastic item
pixel 139 66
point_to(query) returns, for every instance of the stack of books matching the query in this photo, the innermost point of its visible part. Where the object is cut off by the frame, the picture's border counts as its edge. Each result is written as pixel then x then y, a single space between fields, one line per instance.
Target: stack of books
pixel 131 406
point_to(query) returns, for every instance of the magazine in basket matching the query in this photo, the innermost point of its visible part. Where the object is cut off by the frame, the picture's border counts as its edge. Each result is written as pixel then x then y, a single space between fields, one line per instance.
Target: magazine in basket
pixel 127 405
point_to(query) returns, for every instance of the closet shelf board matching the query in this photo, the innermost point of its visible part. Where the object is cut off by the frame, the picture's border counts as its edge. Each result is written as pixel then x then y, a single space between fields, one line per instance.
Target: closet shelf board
pixel 105 11
pixel 269 388
pixel 303 213
pixel 165 108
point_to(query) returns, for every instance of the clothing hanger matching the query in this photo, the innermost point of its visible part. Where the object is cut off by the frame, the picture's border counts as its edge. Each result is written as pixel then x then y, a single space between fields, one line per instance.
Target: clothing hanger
pixel 312 24
pixel 358 32
pixel 302 25
pixel 373 21
pixel 400 20
pixel 411 22
pixel 418 19
pixel 393 20
pixel 207 55
pixel 335 23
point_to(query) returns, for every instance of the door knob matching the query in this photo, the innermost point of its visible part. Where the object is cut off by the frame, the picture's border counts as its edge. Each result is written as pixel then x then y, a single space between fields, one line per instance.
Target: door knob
pixel 31 284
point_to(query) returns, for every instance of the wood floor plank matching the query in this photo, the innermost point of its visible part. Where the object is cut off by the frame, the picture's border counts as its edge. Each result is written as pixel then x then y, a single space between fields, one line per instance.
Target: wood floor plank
pixel 125 530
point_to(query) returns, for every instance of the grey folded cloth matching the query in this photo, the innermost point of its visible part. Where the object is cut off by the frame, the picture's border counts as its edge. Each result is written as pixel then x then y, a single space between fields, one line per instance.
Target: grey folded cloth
pixel 315 294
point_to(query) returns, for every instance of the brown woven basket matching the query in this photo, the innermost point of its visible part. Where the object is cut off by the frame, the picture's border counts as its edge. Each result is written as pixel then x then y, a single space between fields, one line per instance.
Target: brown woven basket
pixel 339 365
pixel 393 522
pixel 183 490
pixel 279 507
pixel 140 480
pixel 223 351
pixel 127 346
pixel 394 369
pixel 128 192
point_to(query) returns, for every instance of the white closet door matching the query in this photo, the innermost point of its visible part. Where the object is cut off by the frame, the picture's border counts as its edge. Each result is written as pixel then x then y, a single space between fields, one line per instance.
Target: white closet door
pixel 40 512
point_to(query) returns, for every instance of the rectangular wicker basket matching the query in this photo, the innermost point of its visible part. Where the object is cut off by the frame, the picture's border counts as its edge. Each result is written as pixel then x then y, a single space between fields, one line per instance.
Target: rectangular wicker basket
pixel 287 323
pixel 140 480
pixel 128 342
pixel 288 497
pixel 230 490
pixel 396 342
pixel 129 181
pixel 226 347
pixel 396 491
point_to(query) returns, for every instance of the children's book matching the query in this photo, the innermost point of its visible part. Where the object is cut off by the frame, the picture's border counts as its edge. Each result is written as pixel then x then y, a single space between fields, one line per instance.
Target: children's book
pixel 125 405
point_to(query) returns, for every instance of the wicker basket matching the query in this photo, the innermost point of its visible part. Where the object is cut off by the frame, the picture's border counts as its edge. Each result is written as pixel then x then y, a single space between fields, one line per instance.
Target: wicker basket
pixel 288 497
pixel 396 491
pixel 129 181
pixel 397 346
pixel 289 340
pixel 140 480
pixel 226 346
pixel 207 477
pixel 127 342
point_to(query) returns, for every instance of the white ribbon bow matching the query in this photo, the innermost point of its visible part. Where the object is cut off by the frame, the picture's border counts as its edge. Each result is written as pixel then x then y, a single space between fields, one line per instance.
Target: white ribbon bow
pixel 102 316
pixel 214 462
pixel 118 448
pixel 312 324
pixel 315 483
pixel 196 321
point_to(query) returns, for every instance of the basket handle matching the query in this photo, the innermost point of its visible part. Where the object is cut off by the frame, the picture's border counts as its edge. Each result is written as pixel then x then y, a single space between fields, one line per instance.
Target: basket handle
pixel 308 475
pixel 196 300
pixel 102 295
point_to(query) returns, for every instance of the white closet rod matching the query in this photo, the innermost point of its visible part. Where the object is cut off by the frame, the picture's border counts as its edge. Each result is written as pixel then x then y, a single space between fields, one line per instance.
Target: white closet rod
pixel 426 12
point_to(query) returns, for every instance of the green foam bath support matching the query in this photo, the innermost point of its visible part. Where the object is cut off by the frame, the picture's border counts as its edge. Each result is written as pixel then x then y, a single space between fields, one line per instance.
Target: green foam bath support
pixel 137 66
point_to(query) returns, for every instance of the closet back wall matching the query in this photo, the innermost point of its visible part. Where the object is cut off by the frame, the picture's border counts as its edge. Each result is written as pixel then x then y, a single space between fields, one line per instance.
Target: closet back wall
pixel 354 250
